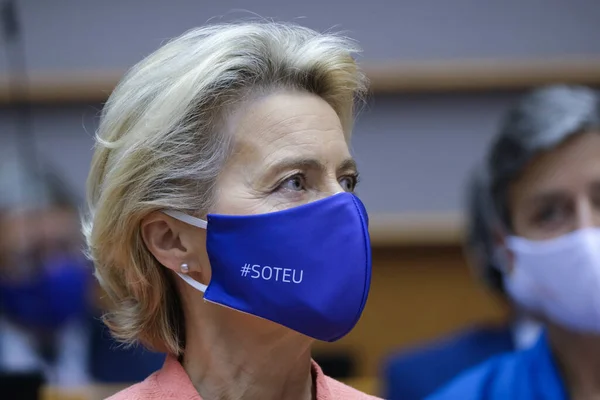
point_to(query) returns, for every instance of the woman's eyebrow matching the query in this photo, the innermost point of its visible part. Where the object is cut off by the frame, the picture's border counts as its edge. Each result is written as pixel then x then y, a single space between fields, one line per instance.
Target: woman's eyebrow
pixel 546 197
pixel 348 165
pixel 302 163
pixel 308 163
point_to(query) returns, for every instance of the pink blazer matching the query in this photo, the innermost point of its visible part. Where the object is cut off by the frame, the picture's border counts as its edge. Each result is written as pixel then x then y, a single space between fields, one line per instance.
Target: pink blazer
pixel 172 382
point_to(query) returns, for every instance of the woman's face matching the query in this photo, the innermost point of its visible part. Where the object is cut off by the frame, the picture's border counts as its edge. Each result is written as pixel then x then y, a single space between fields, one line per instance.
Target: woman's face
pixel 559 191
pixel 289 150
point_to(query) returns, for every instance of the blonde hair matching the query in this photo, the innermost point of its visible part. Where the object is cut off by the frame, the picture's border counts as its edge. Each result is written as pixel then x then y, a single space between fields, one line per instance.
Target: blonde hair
pixel 159 146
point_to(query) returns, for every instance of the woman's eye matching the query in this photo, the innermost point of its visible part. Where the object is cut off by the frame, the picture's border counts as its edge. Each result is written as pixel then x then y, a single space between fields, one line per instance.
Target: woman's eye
pixel 296 183
pixel 551 216
pixel 348 183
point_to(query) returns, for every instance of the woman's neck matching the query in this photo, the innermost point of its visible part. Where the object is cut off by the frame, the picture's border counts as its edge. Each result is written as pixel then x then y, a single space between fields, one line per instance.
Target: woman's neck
pixel 227 360
pixel 578 357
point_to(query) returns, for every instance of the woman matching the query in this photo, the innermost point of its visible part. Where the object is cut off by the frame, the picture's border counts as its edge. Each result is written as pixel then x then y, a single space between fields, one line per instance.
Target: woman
pixel 223 223
pixel 545 186
pixel 408 375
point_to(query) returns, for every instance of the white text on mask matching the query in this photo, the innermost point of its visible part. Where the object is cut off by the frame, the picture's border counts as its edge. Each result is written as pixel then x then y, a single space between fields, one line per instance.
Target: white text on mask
pixel 277 274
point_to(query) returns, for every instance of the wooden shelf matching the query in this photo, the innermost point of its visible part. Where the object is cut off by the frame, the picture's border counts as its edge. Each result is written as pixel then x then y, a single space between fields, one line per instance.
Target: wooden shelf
pixel 416 229
pixel 478 75
pixel 386 78
pixel 63 87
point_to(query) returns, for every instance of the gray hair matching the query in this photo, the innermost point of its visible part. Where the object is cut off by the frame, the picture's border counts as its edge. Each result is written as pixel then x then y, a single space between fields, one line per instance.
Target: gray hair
pixel 479 229
pixel 31 186
pixel 540 121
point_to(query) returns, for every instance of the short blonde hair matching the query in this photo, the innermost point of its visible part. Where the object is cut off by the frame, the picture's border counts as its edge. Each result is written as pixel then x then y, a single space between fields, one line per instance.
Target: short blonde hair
pixel 159 146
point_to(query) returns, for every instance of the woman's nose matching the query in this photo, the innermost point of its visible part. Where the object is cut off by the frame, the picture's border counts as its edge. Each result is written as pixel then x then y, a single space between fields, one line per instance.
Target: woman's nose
pixel 330 187
pixel 334 187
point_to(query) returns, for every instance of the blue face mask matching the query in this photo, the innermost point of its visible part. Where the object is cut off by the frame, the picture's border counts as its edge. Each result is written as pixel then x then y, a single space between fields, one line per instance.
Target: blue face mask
pixel 55 296
pixel 307 268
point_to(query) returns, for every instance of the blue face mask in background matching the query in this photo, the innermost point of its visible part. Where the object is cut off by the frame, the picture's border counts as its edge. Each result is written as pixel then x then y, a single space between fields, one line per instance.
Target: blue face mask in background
pixel 51 298
pixel 307 268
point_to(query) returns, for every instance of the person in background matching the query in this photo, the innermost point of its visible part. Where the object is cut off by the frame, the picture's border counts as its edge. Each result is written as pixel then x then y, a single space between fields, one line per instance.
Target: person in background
pixel 410 375
pixel 523 329
pixel 222 220
pixel 48 316
pixel 544 169
pixel 44 277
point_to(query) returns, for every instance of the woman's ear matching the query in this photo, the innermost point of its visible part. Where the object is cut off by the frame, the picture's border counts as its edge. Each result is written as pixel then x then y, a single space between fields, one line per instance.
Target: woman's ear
pixel 163 237
pixel 504 256
pixel 177 245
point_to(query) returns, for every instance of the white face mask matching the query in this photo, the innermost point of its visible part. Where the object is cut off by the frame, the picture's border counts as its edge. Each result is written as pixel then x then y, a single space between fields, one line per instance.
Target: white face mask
pixel 559 278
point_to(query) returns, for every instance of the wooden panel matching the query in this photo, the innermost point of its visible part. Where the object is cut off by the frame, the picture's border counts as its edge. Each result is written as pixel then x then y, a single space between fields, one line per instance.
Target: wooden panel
pixel 391 77
pixel 475 75
pixel 53 393
pixel 425 229
pixel 417 294
pixel 93 392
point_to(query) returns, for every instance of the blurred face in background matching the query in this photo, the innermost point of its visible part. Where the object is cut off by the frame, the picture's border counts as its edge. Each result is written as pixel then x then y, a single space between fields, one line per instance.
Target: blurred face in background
pixel 555 213
pixel 43 274
pixel 559 191
pixel 27 239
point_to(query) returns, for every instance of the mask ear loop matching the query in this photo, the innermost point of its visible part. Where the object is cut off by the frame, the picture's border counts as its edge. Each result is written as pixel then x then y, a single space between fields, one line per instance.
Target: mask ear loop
pixel 193 283
pixel 199 223
pixel 188 219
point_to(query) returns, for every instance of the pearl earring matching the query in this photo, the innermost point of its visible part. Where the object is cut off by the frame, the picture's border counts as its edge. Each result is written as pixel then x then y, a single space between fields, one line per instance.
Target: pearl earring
pixel 185 268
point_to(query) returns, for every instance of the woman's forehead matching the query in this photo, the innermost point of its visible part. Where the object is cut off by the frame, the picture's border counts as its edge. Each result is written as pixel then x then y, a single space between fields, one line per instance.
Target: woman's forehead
pixel 281 111
pixel 574 165
pixel 284 125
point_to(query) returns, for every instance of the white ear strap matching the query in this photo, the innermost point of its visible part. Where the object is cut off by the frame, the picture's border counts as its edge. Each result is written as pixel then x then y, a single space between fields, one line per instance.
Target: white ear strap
pixel 199 223
pixel 188 219
pixel 195 284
